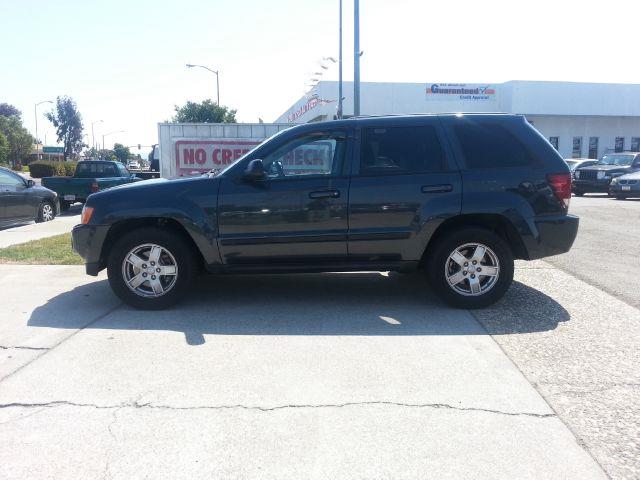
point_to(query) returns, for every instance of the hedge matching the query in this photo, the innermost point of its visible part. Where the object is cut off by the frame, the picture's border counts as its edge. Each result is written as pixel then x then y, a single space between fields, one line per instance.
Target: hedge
pixel 44 168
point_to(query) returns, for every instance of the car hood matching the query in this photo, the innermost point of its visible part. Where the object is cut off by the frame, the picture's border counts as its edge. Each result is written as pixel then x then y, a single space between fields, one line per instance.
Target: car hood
pixel 152 190
pixel 630 176
pixel 605 168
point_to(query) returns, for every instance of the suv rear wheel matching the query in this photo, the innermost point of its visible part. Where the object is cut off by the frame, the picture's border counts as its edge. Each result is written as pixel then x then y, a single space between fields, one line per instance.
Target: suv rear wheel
pixel 470 267
pixel 151 268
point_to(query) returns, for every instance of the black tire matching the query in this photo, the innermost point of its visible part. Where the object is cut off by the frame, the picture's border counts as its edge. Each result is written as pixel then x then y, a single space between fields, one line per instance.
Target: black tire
pixel 578 193
pixel 173 243
pixel 64 205
pixel 46 212
pixel 621 197
pixel 438 259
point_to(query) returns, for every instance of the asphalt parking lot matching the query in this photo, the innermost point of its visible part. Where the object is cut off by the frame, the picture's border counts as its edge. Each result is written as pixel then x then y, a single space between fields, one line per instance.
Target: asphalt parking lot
pixel 361 375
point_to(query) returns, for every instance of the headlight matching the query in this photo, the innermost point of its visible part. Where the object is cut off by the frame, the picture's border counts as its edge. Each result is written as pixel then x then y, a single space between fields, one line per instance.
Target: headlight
pixel 614 181
pixel 577 174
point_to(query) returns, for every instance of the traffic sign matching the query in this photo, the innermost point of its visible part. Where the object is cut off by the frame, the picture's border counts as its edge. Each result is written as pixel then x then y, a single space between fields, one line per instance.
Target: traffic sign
pixel 52 149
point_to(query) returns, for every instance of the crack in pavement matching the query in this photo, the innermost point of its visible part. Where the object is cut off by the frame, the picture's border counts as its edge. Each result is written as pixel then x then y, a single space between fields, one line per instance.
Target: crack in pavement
pixel 63 403
pixel 3 347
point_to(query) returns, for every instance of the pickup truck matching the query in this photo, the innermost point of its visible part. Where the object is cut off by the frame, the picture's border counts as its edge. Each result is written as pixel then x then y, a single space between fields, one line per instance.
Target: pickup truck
pixel 90 177
pixel 457 197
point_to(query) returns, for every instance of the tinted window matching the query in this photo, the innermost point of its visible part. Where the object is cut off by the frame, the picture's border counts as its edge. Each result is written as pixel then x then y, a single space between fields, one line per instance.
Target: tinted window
pixel 7 178
pixel 314 154
pixel 491 146
pixel 400 150
pixel 91 169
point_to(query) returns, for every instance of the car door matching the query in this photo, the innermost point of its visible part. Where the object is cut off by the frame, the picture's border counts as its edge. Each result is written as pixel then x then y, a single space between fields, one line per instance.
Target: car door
pixel 404 184
pixel 298 214
pixel 14 200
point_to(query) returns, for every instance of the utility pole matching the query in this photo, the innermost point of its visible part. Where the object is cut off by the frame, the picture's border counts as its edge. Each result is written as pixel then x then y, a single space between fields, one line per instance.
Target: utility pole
pixel 35 111
pixel 356 58
pixel 340 65
pixel 216 72
pixel 93 136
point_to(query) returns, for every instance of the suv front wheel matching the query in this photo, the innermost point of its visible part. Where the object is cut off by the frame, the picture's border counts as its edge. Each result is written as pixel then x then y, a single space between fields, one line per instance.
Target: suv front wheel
pixel 151 268
pixel 470 267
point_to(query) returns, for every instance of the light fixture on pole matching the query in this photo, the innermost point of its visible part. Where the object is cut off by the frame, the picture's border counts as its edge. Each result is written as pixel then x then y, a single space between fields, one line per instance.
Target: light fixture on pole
pixel 190 65
pixel 93 136
pixel 35 111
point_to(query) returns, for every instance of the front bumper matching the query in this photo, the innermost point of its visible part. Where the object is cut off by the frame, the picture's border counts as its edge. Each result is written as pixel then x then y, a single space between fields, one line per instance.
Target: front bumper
pixel 591 186
pixel 616 189
pixel 87 241
pixel 555 235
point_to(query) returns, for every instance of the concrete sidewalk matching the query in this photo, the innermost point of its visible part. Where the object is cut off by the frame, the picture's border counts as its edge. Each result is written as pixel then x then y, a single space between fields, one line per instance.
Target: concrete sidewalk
pixel 35 231
pixel 341 376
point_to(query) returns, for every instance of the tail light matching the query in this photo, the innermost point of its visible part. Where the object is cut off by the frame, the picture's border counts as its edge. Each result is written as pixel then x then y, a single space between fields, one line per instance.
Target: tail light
pixel 560 183
pixel 95 187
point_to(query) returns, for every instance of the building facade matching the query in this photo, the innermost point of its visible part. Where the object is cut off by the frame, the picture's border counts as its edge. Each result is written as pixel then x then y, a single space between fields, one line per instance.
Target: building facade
pixel 582 120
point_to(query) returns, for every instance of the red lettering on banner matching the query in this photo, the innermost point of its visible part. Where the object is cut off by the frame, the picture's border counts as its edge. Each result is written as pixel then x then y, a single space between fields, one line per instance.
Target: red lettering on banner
pixel 216 156
pixel 237 153
pixel 299 156
pixel 188 154
pixel 226 156
pixel 201 156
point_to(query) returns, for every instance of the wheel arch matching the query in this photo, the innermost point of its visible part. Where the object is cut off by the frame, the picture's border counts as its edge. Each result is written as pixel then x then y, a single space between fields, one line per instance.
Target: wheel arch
pixel 166 223
pixel 496 223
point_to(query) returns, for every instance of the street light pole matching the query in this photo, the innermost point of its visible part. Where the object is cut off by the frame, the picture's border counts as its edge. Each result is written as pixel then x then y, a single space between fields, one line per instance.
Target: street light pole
pixel 217 73
pixel 356 58
pixel 35 111
pixel 340 64
pixel 93 135
pixel 106 135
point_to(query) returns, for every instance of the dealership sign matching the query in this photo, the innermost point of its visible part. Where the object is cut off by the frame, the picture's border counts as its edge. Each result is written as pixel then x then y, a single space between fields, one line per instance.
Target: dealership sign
pixel 460 91
pixel 310 105
pixel 196 156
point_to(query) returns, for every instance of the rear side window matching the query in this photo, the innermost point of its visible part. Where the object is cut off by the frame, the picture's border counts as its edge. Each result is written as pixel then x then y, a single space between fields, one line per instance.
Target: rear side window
pixel 400 150
pixel 491 146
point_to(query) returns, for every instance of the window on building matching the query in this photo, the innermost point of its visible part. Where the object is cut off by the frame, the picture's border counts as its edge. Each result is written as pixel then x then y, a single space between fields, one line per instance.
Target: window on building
pixel 619 145
pixel 576 152
pixel 491 146
pixel 554 141
pixel 400 150
pixel 593 147
pixel 635 144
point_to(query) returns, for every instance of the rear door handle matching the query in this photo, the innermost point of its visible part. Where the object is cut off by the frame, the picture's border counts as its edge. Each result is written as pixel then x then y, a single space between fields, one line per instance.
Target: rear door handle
pixel 437 188
pixel 325 194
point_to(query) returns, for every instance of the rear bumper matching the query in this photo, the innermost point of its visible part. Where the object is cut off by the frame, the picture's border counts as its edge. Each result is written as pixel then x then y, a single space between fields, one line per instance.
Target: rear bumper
pixel 87 241
pixel 555 235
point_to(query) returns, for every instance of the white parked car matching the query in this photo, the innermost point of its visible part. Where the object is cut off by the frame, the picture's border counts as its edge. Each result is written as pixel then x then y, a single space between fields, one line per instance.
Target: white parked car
pixel 133 165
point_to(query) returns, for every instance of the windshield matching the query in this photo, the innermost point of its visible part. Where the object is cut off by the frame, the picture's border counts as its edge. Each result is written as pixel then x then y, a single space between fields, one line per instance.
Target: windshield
pixel 622 160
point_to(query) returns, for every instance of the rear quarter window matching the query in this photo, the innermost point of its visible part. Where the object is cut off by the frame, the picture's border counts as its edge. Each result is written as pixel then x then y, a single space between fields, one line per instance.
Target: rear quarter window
pixel 491 146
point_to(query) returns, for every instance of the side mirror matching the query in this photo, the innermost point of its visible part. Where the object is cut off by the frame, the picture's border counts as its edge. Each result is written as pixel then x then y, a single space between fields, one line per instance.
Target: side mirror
pixel 30 183
pixel 255 171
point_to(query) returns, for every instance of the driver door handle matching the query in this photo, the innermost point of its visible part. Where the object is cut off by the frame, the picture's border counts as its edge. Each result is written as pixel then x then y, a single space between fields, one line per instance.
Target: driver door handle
pixel 325 194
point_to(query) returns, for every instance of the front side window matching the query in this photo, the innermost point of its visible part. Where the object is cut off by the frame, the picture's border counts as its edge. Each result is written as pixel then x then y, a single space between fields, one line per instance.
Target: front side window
pixel 576 152
pixel 491 146
pixel 400 150
pixel 7 178
pixel 314 154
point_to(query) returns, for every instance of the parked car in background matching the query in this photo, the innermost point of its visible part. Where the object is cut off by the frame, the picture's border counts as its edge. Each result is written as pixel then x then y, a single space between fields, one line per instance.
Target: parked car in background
pixel 22 200
pixel 625 186
pixel 579 162
pixel 458 197
pixel 597 178
pixel 90 177
pixel 133 166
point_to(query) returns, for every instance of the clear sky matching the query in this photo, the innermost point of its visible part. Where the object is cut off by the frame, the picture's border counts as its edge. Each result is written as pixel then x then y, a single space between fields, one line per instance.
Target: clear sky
pixel 123 61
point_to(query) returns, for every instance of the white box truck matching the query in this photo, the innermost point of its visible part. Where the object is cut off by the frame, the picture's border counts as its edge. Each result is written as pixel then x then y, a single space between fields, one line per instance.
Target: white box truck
pixel 187 149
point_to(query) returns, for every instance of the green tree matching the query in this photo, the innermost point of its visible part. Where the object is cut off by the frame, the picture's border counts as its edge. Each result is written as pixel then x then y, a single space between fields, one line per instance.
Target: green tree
pixel 68 123
pixel 4 149
pixel 18 140
pixel 204 112
pixel 7 110
pixel 122 153
pixel 107 154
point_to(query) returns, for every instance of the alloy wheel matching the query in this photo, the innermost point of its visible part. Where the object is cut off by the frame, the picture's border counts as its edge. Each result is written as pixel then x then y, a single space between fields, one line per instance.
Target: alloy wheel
pixel 472 269
pixel 150 270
